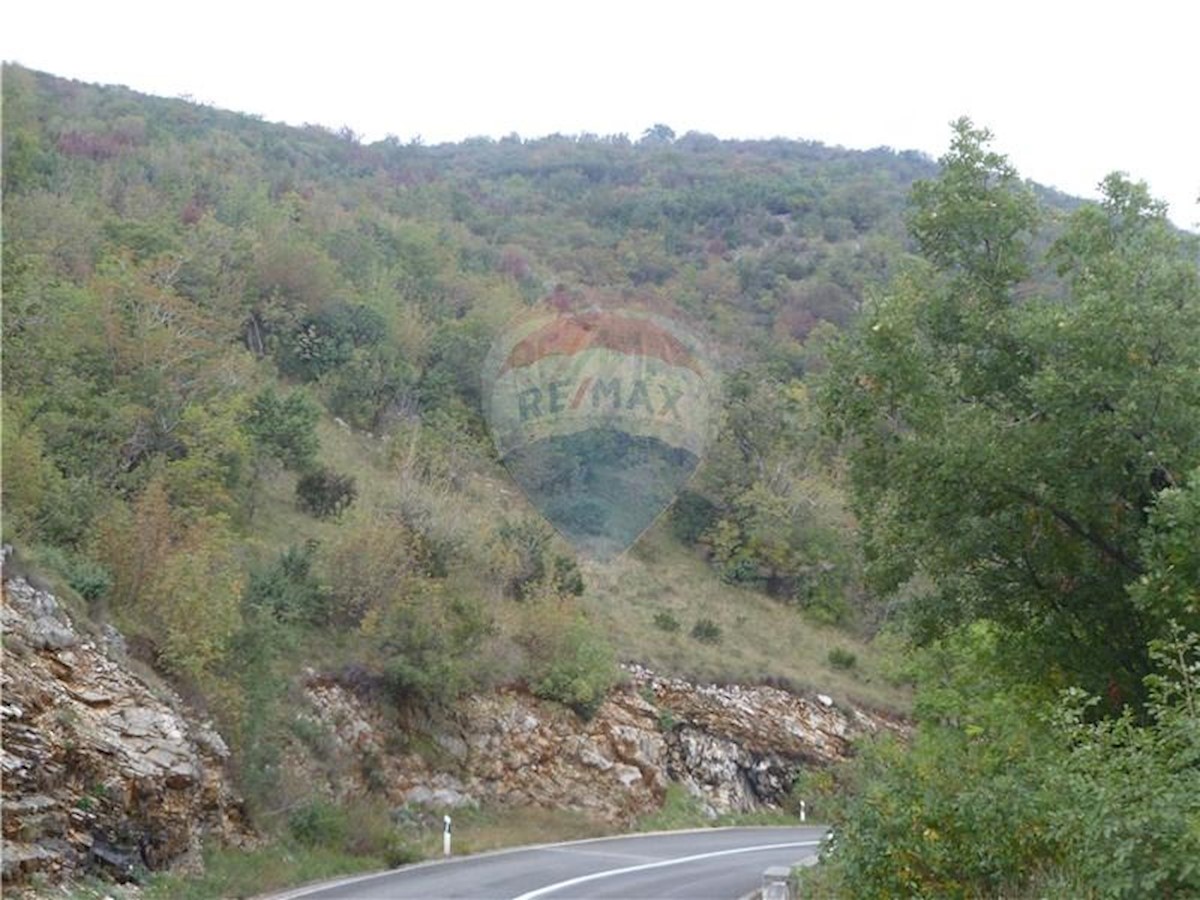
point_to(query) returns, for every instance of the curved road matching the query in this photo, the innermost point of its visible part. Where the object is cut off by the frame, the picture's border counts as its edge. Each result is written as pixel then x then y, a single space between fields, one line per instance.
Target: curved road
pixel 717 863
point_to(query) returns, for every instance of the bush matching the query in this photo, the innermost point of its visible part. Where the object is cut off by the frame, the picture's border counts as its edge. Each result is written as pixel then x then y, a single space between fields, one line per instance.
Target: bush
pixel 429 642
pixel 665 620
pixel 520 551
pixel 318 823
pixel 1049 798
pixel 706 631
pixel 324 493
pixel 581 672
pixel 284 428
pixel 567 660
pixel 365 391
pixel 567 578
pixel 399 852
pixel 521 556
pixel 692 514
pixel 822 596
pixel 841 658
pixel 288 590
pixel 87 578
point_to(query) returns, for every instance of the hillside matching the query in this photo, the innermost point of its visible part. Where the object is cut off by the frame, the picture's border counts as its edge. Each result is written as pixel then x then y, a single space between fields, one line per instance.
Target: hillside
pixel 204 313
pixel 194 298
pixel 952 475
pixel 243 422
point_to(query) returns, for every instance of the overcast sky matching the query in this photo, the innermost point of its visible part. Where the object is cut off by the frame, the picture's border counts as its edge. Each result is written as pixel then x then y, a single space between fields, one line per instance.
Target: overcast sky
pixel 1071 90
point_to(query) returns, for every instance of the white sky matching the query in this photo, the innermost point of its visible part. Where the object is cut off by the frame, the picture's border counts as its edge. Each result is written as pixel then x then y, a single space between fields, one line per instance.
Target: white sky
pixel 1071 90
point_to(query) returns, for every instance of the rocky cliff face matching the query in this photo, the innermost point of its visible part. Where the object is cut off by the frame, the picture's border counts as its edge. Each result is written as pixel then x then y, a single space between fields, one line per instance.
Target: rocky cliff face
pixel 103 770
pixel 100 771
pixel 735 748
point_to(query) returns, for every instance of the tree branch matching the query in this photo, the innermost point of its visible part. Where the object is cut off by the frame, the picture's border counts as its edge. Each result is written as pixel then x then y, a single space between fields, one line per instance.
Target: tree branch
pixel 1107 547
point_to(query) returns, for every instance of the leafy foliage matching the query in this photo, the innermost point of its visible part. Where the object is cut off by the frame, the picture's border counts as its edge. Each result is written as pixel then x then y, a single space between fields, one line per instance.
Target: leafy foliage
pixel 841 658
pixel 175 580
pixel 1024 475
pixel 284 428
pixel 324 493
pixel 526 562
pixel 289 590
pixel 1043 794
pixel 569 661
pixel 665 620
pixel 1001 448
pixel 192 295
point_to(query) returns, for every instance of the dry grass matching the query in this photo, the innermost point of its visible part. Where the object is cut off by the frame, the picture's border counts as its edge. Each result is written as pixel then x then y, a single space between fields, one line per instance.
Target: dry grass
pixel 761 638
pixel 497 827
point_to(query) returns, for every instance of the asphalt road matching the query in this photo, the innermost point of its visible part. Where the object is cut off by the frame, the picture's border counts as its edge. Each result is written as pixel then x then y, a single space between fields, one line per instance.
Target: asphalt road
pixel 717 863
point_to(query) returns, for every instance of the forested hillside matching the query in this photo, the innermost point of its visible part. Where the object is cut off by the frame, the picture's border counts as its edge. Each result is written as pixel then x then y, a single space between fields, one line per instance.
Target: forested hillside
pixel 191 295
pixel 242 399
pixel 242 421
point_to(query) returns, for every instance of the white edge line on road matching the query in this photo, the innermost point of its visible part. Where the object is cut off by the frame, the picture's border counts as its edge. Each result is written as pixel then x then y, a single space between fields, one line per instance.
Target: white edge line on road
pixel 609 873
pixel 304 890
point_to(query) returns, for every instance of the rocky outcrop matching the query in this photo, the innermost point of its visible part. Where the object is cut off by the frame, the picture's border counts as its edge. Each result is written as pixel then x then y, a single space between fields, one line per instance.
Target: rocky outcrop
pixel 102 768
pixel 99 769
pixel 735 748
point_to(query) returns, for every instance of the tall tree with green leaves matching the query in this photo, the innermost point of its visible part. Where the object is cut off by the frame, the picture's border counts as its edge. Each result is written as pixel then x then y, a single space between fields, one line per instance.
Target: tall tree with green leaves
pixel 1007 446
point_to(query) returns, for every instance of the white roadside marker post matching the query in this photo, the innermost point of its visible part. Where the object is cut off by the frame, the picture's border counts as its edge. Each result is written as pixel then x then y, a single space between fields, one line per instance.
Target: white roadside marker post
pixel 803 812
pixel 445 835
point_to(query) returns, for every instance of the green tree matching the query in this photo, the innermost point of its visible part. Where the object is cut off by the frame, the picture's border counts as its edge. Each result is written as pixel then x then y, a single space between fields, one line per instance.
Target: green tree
pixel 284 428
pixel 1008 445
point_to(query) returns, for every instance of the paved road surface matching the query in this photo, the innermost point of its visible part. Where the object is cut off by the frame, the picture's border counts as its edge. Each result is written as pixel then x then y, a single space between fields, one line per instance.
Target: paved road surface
pixel 717 863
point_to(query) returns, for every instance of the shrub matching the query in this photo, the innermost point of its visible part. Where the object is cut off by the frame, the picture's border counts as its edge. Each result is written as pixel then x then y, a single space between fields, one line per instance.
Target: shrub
pixel 567 578
pixel 691 515
pixel 841 658
pixel 87 578
pixel 706 631
pixel 581 672
pixel 318 823
pixel 568 661
pixel 520 551
pixel 325 493
pixel 665 620
pixel 288 590
pixel 284 428
pixel 429 642
pixel 399 852
pixel 1050 798
pixel 521 555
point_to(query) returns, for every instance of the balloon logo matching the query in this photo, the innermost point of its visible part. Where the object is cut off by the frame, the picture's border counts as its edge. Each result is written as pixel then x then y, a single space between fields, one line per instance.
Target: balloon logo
pixel 601 417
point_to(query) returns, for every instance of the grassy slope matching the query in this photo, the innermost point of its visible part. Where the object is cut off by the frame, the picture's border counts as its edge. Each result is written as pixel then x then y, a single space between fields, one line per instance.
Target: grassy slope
pixel 761 638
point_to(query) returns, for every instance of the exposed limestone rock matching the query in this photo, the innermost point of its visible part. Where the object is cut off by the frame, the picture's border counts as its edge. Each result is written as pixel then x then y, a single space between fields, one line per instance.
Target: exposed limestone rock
pixel 98 769
pixel 735 748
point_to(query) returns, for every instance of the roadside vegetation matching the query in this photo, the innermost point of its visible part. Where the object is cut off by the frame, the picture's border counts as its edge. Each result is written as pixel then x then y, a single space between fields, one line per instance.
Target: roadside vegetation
pixel 958 450
pixel 1028 456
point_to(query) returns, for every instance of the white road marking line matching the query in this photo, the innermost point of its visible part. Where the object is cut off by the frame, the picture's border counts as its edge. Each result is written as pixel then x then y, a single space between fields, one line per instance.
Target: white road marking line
pixel 316 887
pixel 609 873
